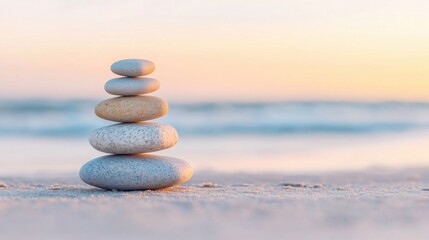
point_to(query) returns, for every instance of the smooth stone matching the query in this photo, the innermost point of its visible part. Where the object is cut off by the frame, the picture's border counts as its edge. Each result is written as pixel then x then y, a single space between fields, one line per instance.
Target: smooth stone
pixel 131 86
pixel 133 67
pixel 133 138
pixel 132 109
pixel 135 172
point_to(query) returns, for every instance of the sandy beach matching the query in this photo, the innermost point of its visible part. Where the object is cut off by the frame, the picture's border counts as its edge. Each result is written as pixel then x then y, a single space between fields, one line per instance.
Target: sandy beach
pixel 372 204
pixel 247 120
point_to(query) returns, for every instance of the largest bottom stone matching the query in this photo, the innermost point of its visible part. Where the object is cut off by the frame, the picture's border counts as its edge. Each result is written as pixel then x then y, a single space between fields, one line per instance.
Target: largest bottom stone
pixel 135 172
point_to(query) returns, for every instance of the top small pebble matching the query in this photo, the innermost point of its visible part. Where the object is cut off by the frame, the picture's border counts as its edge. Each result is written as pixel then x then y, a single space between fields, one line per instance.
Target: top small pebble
pixel 133 67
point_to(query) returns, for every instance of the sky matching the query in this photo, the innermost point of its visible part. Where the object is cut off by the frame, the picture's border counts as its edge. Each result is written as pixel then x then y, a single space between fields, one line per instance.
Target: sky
pixel 219 50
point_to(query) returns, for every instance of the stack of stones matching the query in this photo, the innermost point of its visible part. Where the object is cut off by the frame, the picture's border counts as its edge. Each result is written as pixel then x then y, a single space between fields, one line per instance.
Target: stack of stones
pixel 130 168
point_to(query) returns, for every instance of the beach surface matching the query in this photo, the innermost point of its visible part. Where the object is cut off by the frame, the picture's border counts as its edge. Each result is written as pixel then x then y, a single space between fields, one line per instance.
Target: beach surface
pixel 370 204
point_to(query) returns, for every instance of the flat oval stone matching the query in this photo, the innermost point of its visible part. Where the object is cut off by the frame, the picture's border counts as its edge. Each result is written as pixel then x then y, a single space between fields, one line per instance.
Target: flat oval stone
pixel 133 138
pixel 131 86
pixel 133 67
pixel 135 172
pixel 132 109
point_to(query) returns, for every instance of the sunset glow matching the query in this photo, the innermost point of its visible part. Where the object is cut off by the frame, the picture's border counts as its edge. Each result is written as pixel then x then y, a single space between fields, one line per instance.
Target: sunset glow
pixel 221 50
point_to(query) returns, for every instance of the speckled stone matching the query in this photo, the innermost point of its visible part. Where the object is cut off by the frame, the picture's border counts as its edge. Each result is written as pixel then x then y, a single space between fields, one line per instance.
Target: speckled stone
pixel 131 86
pixel 133 67
pixel 132 109
pixel 133 138
pixel 135 172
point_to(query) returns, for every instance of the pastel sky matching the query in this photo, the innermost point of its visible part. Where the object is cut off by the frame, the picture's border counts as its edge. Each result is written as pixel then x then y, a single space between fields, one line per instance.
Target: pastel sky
pixel 219 50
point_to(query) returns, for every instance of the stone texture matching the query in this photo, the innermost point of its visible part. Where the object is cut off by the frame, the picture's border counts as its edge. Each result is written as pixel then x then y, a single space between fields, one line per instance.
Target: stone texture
pixel 135 172
pixel 133 67
pixel 132 109
pixel 131 86
pixel 133 138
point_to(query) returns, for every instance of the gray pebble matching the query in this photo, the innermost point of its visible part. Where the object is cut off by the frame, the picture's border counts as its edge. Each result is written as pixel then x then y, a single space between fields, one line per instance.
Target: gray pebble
pixel 133 138
pixel 133 67
pixel 131 86
pixel 135 172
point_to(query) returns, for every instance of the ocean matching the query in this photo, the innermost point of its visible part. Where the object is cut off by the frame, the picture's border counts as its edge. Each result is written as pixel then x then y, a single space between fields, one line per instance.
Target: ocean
pixel 290 136
pixel 76 118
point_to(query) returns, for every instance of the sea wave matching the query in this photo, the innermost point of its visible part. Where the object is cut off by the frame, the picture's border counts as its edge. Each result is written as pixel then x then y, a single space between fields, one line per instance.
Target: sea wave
pixel 76 118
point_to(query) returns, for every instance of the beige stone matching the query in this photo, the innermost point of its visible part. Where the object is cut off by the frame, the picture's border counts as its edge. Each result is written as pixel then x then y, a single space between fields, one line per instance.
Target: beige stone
pixel 132 109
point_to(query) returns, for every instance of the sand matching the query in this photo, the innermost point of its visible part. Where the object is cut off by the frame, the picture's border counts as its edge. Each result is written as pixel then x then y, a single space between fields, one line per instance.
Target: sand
pixel 374 204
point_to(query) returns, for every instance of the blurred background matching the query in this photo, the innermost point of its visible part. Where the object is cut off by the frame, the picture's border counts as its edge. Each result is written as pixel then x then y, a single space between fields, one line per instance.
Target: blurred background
pixel 253 86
